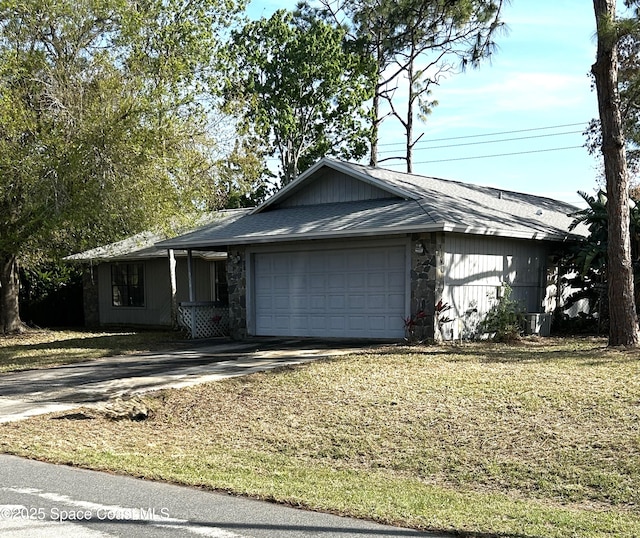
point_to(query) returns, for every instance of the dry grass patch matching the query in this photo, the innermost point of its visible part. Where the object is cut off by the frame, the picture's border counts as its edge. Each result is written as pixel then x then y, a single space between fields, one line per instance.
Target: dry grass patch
pixel 43 348
pixel 539 439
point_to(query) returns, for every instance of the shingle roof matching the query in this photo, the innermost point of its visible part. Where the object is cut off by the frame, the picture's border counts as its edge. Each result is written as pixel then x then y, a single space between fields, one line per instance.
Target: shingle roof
pixel 143 245
pixel 430 204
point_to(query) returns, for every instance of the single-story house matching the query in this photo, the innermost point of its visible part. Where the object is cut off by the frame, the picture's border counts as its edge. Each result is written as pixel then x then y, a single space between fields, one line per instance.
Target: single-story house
pixel 348 250
pixel 133 283
pixel 345 250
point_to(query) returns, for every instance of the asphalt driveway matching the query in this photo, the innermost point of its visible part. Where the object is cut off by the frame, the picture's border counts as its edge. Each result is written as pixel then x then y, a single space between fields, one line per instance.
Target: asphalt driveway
pixel 33 392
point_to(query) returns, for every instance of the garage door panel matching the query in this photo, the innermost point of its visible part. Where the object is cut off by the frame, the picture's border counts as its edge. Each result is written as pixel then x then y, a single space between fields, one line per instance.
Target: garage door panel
pixel 396 280
pixel 396 301
pixel 376 301
pixel 299 282
pixel 376 281
pixel 318 323
pixel 280 265
pixel 299 322
pixel 280 303
pixel 335 263
pixel 299 302
pixel 318 302
pixel 377 323
pixel 264 303
pixel 357 323
pixel 317 282
pixel 280 282
pixel 342 292
pixel 356 259
pixel 281 322
pixel 357 302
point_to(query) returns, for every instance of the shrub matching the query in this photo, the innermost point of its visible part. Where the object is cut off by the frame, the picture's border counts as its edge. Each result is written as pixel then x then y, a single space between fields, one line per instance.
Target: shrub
pixel 505 319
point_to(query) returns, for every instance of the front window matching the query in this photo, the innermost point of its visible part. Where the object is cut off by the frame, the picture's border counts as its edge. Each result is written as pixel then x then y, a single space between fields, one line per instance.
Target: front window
pixel 127 284
pixel 221 286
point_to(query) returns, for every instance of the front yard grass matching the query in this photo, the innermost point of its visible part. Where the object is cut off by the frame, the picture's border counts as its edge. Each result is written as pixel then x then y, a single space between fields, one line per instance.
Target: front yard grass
pixel 42 348
pixel 538 439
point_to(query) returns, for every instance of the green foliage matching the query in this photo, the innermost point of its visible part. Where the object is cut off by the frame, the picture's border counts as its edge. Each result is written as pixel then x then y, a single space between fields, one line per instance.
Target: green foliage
pixel 51 295
pixel 103 120
pixel 505 319
pixel 417 42
pixel 298 85
pixel 242 176
pixel 585 264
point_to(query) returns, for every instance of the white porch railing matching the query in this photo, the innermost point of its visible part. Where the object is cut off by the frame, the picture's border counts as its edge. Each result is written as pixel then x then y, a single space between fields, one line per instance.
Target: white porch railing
pixel 203 319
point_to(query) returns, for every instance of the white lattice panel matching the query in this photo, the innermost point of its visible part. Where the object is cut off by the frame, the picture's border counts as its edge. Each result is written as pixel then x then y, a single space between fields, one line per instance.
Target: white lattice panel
pixel 204 320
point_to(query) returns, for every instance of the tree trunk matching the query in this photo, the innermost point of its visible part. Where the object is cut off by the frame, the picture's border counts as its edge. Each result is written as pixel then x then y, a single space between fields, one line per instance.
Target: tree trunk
pixel 409 123
pixel 623 320
pixel 376 120
pixel 9 288
pixel 375 129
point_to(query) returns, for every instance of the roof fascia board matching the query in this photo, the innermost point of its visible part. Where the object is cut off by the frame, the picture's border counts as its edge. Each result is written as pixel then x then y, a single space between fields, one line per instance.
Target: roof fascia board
pixel 340 167
pixel 368 232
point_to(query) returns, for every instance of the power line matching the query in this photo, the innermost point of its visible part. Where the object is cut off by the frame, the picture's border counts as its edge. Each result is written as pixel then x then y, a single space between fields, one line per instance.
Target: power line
pixel 491 156
pixel 422 148
pixel 491 134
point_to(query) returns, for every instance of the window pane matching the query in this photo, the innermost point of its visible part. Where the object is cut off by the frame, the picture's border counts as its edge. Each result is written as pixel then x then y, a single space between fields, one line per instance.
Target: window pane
pixel 127 284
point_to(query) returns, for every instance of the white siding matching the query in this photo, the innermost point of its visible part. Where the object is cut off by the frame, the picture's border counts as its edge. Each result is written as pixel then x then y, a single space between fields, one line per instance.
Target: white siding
pixel 476 267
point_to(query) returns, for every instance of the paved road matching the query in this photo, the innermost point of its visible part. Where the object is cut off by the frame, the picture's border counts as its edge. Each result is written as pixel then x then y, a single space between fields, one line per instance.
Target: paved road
pixel 33 392
pixel 42 500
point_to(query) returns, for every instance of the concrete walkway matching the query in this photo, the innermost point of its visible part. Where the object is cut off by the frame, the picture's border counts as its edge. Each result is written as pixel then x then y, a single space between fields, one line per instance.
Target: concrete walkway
pixel 33 392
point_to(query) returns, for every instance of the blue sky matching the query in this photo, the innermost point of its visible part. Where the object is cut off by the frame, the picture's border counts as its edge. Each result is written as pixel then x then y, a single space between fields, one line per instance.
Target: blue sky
pixel 537 83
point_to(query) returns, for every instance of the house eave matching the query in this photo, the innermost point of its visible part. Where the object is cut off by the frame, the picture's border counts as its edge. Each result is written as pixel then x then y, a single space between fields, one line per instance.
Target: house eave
pixel 372 232
pixel 160 254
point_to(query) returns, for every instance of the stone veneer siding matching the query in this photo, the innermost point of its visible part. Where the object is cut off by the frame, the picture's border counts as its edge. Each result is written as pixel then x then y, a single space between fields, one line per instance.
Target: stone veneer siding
pixel 237 283
pixel 427 284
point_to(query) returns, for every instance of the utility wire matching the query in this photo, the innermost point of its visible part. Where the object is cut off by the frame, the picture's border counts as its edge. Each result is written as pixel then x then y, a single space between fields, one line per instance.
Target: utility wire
pixel 422 148
pixel 490 156
pixel 491 134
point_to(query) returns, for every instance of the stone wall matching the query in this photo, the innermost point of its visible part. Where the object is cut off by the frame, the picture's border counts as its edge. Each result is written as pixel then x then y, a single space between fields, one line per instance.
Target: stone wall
pixel 237 283
pixel 427 284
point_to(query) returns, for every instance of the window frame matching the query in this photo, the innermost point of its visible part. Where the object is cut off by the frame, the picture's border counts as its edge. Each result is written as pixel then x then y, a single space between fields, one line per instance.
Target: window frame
pixel 129 285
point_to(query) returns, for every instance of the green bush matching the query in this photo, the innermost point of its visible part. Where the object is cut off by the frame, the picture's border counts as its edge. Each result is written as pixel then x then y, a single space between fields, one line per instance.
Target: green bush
pixel 505 319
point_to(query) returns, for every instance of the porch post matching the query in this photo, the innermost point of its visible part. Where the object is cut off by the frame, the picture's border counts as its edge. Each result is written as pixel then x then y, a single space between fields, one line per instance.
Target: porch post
pixel 192 293
pixel 174 288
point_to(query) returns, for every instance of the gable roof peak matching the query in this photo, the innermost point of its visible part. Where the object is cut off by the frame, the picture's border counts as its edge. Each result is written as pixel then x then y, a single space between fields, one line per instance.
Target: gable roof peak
pixel 357 172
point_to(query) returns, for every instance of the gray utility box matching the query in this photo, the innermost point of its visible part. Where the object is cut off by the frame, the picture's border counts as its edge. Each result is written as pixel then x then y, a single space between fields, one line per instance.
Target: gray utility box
pixel 538 323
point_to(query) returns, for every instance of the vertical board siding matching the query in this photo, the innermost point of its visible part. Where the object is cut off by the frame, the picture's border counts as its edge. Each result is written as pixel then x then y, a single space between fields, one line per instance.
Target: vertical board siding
pixel 476 267
pixel 335 187
pixel 201 275
pixel 157 308
pixel 157 296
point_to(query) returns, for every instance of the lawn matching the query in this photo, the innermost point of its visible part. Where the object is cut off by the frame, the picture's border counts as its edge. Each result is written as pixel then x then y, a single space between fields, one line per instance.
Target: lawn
pixel 538 439
pixel 45 348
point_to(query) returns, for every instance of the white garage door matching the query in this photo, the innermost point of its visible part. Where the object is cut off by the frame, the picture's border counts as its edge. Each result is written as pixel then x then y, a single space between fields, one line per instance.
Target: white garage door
pixel 358 292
